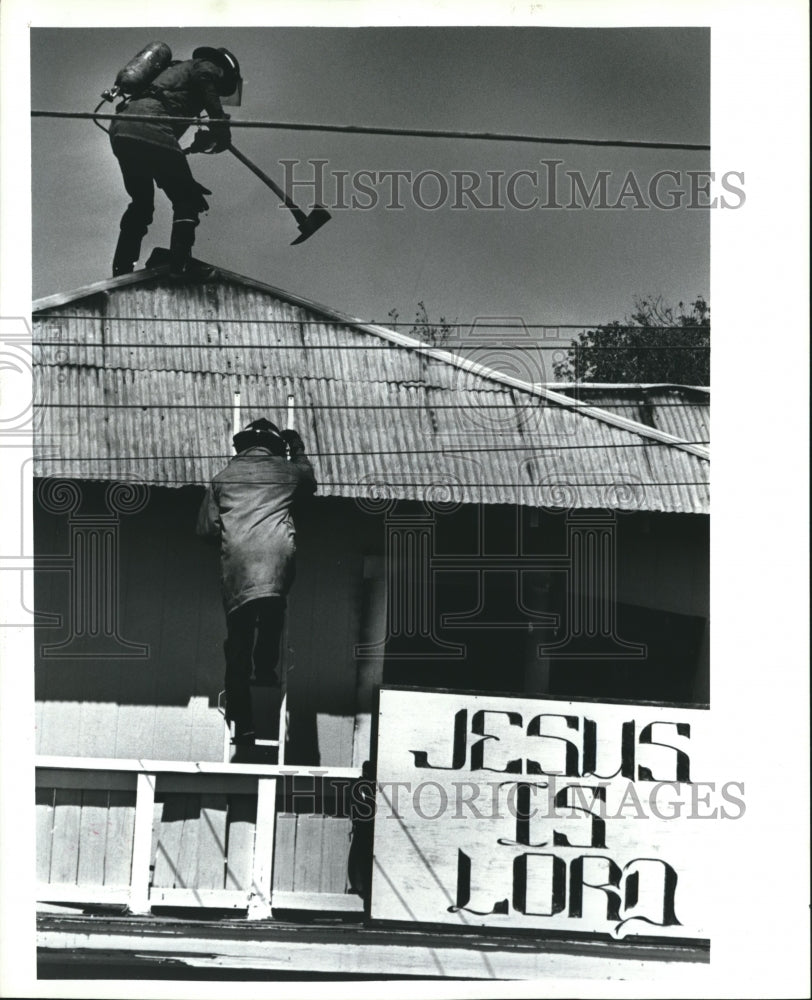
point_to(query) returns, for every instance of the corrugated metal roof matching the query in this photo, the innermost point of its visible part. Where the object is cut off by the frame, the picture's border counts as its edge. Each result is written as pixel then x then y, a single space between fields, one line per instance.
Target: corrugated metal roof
pixel 137 376
pixel 681 410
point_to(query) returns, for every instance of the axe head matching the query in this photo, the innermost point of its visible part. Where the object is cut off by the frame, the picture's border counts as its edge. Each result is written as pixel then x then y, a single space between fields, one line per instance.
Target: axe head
pixel 315 220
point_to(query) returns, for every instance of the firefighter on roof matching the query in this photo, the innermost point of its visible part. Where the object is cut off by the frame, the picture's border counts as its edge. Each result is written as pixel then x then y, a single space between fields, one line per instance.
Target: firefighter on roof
pixel 149 153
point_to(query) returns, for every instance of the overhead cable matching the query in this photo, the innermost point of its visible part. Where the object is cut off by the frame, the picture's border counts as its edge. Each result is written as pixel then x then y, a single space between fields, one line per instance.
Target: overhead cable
pixel 422 133
pixel 44 317
pixel 451 450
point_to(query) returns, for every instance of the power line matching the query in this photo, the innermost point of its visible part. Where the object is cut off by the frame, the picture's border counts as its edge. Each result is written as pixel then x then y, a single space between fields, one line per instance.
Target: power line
pixel 334 406
pixel 386 451
pixel 535 346
pixel 442 485
pixel 329 321
pixel 378 130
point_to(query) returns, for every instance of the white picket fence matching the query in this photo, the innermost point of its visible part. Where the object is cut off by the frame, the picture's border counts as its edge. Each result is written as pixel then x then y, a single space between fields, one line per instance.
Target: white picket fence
pixel 146 833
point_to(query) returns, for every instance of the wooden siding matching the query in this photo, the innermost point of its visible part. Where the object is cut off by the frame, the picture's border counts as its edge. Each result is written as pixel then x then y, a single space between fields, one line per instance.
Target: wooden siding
pixel 164 705
pixel 84 836
pixel 191 832
pixel 195 838
pixel 311 854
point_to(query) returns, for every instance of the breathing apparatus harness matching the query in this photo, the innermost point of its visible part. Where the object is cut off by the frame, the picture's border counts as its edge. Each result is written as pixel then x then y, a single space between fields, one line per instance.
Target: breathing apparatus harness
pixel 136 76
pixel 135 79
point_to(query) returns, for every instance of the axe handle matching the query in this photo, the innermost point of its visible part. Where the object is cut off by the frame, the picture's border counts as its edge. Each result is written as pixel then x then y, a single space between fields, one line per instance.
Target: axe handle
pixel 298 214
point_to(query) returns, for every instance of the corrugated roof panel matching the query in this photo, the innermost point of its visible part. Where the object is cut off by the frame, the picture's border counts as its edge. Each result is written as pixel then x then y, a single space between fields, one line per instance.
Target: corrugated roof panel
pixel 680 411
pixel 138 381
pixel 689 420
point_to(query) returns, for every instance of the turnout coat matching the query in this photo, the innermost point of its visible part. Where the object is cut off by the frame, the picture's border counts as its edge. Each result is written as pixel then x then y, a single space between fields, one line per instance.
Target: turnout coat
pixel 249 507
pixel 182 90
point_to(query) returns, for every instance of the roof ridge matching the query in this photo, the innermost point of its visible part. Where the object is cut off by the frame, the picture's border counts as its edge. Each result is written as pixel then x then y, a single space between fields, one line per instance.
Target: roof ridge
pixel 627 385
pixel 402 340
pixel 566 402
pixel 121 281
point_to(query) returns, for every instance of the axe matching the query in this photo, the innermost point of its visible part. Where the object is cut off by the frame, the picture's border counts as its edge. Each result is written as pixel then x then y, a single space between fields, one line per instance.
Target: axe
pixel 307 222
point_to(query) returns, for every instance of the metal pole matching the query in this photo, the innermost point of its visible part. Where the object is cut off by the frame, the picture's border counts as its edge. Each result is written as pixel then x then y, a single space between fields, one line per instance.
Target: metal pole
pixel 280 192
pixel 235 414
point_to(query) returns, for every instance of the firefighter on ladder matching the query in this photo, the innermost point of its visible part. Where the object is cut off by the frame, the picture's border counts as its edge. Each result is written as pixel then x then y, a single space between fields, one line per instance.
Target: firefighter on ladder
pixel 249 508
pixel 149 153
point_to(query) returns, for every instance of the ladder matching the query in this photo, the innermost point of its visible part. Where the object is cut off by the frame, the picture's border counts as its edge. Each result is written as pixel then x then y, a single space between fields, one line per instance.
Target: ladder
pixel 264 749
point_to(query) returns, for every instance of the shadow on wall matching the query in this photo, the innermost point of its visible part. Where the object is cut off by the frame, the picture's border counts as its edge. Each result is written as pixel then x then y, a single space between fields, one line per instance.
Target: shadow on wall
pixel 131 615
pixel 138 617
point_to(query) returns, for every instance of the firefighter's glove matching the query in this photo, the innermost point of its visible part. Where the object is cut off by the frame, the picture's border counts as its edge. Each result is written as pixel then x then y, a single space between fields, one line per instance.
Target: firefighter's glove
pixel 221 139
pixel 211 141
pixel 293 441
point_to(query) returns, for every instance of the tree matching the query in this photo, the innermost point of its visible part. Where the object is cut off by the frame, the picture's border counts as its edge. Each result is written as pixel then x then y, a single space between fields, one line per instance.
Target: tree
pixel 657 343
pixel 429 331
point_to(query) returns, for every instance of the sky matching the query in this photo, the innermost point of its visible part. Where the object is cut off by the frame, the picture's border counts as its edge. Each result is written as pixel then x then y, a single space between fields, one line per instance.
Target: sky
pixel 540 265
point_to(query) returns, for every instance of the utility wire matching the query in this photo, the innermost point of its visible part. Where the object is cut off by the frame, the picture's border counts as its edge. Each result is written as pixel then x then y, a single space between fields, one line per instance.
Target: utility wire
pixel 440 485
pixel 353 323
pixel 376 130
pixel 197 346
pixel 512 407
pixel 451 450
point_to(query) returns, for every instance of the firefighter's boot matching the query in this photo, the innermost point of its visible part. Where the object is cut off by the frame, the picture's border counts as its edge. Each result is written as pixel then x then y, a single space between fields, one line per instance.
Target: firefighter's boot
pixel 127 252
pixel 180 247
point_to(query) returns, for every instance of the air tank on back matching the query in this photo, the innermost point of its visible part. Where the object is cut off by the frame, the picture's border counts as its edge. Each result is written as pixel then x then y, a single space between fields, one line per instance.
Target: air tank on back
pixel 141 70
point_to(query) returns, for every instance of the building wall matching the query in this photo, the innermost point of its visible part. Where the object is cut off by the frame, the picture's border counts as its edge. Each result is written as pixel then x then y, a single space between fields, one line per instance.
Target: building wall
pixel 511 583
pixel 666 564
pixel 97 696
pixel 661 587
pixel 101 694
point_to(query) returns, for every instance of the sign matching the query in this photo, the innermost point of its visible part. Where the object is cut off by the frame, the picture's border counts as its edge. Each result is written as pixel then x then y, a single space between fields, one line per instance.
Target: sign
pixel 576 817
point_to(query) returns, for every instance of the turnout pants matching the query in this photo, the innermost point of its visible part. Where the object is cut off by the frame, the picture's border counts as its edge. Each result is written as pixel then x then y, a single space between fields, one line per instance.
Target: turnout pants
pixel 143 166
pixel 252 653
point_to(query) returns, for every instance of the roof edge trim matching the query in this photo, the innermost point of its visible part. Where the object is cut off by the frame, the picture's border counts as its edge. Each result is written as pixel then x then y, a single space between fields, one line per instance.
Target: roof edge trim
pixel 625 385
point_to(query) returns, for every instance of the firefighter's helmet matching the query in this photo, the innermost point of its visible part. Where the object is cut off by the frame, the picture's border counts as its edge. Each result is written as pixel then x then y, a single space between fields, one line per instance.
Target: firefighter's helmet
pixel 260 433
pixel 231 85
